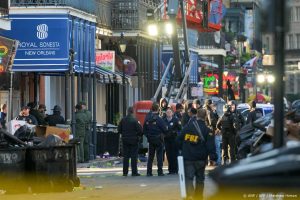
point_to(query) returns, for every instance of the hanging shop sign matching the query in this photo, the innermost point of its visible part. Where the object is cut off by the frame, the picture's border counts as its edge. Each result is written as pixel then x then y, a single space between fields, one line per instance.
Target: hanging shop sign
pixel 43 42
pixel 7 53
pixel 106 60
pixel 210 84
pixel 46 39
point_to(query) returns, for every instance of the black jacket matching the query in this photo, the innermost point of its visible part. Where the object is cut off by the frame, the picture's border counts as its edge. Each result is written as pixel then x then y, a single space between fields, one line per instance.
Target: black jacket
pixel 174 127
pixel 251 117
pixel 130 129
pixel 54 119
pixel 225 123
pixel 211 119
pixel 39 117
pixel 196 151
pixel 178 115
pixel 238 120
pixel 185 119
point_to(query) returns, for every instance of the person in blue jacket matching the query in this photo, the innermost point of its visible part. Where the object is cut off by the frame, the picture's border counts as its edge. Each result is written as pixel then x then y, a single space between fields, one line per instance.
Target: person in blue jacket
pixel 174 127
pixel 196 142
pixel 155 129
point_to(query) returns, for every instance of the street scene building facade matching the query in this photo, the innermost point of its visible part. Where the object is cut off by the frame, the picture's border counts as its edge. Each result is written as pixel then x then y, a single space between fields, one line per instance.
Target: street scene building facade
pixel 104 84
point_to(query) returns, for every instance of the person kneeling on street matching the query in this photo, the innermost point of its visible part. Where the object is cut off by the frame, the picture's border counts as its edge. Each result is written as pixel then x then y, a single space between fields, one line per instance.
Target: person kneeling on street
pixel 195 143
pixel 131 131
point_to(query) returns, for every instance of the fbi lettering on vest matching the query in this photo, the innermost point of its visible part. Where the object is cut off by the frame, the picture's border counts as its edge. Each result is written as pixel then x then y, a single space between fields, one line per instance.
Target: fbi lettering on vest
pixel 191 138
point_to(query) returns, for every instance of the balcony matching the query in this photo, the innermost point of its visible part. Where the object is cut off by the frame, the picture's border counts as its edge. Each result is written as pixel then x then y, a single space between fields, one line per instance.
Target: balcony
pixel 86 5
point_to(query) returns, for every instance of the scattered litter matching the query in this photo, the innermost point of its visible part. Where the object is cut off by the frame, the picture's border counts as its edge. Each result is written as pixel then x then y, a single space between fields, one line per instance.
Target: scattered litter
pixel 98 187
pixel 143 185
pixel 2 192
pixel 116 162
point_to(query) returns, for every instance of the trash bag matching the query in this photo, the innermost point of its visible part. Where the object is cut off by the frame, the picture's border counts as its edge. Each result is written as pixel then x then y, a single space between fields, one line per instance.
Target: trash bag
pixel 24 133
pixel 52 140
pixel 7 139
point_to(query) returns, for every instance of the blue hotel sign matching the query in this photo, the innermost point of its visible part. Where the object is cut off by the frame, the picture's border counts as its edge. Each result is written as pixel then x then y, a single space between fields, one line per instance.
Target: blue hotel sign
pixel 43 42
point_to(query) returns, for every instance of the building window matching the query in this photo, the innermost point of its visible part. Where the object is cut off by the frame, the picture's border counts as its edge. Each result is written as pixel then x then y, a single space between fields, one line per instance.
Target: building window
pixel 298 40
pixel 290 42
pixel 297 14
pixel 267 45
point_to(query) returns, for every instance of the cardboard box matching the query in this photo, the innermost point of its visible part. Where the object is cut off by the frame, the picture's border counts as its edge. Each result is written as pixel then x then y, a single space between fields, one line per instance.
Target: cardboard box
pixel 44 131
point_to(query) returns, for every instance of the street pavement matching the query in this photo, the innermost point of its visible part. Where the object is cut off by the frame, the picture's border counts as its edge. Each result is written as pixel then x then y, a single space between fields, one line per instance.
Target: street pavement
pixel 109 184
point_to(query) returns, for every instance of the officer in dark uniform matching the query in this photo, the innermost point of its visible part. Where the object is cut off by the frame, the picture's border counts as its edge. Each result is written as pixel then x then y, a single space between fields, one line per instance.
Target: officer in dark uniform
pixel 34 112
pixel 178 112
pixel 196 143
pixel 154 129
pixel 25 116
pixel 131 131
pixel 80 131
pixel 238 123
pixel 174 126
pixel 87 130
pixel 185 116
pixel 225 124
pixel 56 117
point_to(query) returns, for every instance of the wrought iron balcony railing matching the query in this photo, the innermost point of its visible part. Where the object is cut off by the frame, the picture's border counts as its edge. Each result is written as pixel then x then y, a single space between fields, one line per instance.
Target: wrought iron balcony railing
pixel 84 5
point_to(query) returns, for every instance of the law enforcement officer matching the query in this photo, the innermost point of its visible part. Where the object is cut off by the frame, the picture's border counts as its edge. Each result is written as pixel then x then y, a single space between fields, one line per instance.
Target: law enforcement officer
pixel 185 117
pixel 87 130
pixel 211 122
pixel 174 126
pixel 154 128
pixel 131 131
pixel 179 111
pixel 80 132
pixel 196 143
pixel 225 124
pixel 56 117
pixel 238 123
pixel 25 116
pixel 34 112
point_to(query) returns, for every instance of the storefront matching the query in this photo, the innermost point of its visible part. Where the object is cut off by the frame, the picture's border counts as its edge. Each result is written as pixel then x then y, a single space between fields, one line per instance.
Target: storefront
pixel 42 58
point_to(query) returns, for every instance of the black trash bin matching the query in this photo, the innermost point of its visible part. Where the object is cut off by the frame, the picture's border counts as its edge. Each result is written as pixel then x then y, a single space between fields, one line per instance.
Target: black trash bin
pixel 12 169
pixel 108 140
pixel 52 168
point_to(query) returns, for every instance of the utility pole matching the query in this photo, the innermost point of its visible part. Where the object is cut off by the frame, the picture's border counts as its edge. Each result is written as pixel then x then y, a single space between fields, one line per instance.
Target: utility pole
pixel 279 22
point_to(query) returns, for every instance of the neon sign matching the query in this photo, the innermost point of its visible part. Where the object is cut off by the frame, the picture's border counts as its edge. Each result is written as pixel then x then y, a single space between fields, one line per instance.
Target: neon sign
pixel 210 85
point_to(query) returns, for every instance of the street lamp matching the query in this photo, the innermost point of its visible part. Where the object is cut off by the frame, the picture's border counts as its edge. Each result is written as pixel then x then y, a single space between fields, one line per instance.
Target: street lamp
pixel 270 78
pixel 260 78
pixel 152 30
pixel 169 29
pixel 122 46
